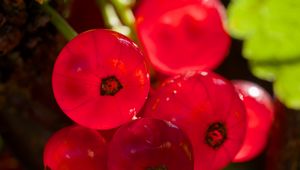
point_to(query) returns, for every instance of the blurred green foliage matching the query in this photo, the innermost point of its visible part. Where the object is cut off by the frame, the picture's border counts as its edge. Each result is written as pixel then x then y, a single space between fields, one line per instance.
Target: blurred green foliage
pixel 271 33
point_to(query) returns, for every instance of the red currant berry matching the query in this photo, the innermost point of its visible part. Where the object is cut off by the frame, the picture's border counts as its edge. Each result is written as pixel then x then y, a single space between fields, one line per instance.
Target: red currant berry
pixel 180 35
pixel 150 144
pixel 100 79
pixel 209 110
pixel 76 148
pixel 260 116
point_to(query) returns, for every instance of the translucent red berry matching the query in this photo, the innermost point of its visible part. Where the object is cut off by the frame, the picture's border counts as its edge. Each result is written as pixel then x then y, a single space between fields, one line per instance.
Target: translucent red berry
pixel 260 115
pixel 100 79
pixel 180 35
pixel 208 109
pixel 150 144
pixel 76 148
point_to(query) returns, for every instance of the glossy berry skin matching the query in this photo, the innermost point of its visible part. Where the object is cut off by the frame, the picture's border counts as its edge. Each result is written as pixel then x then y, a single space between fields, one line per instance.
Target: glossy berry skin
pixel 76 148
pixel 260 115
pixel 208 109
pixel 180 35
pixel 150 144
pixel 100 79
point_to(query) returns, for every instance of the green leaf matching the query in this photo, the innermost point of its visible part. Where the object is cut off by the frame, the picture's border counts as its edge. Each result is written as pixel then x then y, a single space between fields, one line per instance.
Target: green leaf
pixel 270 28
pixel 240 24
pixel 264 71
pixel 271 33
pixel 287 85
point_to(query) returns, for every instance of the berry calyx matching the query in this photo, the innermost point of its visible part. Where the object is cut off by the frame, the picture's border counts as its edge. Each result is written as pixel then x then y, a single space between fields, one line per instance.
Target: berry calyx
pixel 208 109
pixel 216 135
pixel 110 86
pixel 100 79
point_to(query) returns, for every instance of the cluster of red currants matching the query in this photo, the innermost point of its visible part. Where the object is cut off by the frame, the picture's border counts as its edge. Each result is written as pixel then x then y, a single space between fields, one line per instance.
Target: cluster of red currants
pixel 195 120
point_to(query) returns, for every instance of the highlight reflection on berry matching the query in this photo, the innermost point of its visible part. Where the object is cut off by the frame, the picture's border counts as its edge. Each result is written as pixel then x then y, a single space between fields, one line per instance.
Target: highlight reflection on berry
pixel 75 148
pixel 181 35
pixel 260 117
pixel 208 109
pixel 98 75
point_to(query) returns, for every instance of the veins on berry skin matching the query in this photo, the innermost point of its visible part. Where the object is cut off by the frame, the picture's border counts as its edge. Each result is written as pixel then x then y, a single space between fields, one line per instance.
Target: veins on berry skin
pixel 160 167
pixel 110 86
pixel 215 135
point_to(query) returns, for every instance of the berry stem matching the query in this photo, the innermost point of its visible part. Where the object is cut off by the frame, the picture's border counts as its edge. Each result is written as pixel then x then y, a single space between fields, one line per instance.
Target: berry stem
pixel 111 18
pixel 59 22
pixel 118 16
pixel 124 12
pixel 126 15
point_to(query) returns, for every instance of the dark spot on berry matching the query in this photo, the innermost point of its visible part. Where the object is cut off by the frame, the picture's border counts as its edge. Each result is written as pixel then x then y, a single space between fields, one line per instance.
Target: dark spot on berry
pixel 215 135
pixel 110 86
pixel 160 167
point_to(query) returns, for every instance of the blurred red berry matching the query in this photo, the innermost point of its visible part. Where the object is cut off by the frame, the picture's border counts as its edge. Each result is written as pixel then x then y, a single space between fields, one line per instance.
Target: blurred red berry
pixel 150 144
pixel 100 79
pixel 208 109
pixel 260 115
pixel 179 35
pixel 76 148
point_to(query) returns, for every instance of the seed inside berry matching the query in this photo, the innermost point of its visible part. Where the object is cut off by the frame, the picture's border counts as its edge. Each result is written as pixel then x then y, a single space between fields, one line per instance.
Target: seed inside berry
pixel 110 86
pixel 216 135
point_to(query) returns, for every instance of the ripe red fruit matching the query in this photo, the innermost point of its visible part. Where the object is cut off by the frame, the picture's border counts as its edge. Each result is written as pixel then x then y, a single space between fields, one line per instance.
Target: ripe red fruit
pixel 76 148
pixel 180 35
pixel 209 110
pixel 150 144
pixel 260 116
pixel 100 79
